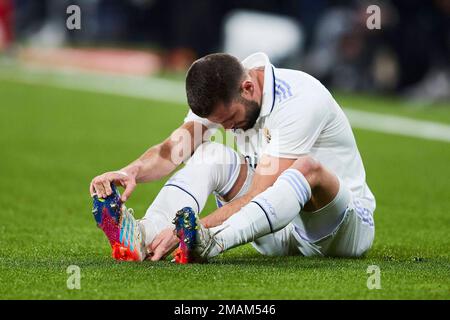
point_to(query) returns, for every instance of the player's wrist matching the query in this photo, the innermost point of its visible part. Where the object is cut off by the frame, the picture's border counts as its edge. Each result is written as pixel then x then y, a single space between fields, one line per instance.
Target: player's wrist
pixel 122 173
pixel 131 171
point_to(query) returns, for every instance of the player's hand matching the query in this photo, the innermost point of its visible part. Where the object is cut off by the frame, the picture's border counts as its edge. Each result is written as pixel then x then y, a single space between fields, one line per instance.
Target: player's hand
pixel 101 185
pixel 163 244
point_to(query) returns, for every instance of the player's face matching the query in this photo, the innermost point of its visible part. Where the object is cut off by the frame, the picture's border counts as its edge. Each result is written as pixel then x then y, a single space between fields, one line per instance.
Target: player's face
pixel 240 114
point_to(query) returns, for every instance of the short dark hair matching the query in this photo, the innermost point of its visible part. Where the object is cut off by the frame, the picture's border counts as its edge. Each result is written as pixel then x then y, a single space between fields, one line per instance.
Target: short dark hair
pixel 213 79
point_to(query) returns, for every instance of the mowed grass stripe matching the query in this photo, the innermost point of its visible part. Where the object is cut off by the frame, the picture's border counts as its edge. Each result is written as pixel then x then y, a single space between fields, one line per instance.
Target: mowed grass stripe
pixel 173 91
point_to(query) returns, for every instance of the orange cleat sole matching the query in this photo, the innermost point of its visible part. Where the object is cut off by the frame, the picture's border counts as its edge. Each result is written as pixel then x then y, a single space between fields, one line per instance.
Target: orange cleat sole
pixel 121 253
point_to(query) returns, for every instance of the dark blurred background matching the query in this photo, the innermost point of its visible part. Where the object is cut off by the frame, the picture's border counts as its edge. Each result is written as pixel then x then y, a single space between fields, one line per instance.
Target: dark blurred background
pixel 329 39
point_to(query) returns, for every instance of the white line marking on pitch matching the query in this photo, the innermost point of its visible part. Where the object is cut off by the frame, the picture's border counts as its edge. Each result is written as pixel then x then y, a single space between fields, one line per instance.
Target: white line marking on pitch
pixel 174 92
pixel 398 125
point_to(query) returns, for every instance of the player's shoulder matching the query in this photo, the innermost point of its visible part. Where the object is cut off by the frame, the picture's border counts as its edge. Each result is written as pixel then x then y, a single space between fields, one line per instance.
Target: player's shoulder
pixel 297 93
pixel 297 84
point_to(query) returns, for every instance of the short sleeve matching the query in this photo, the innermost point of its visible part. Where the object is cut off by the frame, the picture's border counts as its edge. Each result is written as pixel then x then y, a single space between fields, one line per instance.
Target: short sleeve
pixel 295 127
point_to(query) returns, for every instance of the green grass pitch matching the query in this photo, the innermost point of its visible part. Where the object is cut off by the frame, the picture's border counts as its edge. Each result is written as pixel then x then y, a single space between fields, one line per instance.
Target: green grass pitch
pixel 54 141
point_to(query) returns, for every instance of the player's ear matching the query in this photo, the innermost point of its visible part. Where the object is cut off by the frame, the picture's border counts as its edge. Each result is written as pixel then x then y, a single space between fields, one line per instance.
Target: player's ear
pixel 247 89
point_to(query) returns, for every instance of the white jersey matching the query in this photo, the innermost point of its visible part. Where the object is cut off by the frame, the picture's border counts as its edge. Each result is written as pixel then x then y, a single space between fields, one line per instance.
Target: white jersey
pixel 300 117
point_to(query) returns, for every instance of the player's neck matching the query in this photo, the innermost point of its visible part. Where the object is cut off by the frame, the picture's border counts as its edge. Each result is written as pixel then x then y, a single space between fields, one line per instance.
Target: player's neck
pixel 257 75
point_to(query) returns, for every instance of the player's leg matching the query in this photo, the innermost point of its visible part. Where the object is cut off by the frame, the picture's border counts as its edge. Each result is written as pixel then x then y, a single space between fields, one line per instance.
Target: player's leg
pixel 306 183
pixel 352 238
pixel 213 168
pixel 342 227
pixel 278 243
pixel 281 242
pixel 284 242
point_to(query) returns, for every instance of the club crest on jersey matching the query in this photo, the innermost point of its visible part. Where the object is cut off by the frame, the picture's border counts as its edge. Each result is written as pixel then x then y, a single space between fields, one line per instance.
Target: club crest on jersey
pixel 266 134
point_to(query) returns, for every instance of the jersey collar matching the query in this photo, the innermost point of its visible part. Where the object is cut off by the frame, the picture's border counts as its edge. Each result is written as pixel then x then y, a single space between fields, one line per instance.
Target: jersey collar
pixel 260 59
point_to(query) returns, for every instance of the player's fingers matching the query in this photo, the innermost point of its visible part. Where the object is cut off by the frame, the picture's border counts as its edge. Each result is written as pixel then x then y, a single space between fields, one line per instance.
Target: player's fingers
pixel 159 253
pixel 172 248
pixel 99 189
pixel 106 183
pixel 119 182
pixel 155 243
pixel 129 187
pixel 120 178
pixel 91 189
pixel 163 251
pixel 167 245
pixel 160 246
pixel 107 186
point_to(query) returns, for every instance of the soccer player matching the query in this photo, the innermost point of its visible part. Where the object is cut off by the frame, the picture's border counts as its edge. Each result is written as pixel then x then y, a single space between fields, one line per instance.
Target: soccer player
pixel 296 185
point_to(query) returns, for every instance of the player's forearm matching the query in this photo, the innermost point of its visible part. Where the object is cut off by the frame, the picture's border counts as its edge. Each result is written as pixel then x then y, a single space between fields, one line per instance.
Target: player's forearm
pixel 268 171
pixel 162 159
pixel 152 165
pixel 217 217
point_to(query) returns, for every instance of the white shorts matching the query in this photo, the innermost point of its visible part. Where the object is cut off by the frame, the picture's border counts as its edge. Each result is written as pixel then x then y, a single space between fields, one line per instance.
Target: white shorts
pixel 349 233
pixel 344 230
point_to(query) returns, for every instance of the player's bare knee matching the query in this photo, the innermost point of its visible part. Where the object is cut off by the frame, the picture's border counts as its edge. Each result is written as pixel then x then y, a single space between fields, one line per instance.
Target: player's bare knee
pixel 309 167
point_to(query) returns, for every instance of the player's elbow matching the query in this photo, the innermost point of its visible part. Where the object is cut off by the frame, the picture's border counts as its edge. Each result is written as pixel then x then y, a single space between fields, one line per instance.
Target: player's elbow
pixel 164 149
pixel 175 151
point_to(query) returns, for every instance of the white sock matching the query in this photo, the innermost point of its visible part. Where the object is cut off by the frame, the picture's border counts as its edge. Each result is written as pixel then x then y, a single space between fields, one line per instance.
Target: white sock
pixel 161 212
pixel 268 212
pixel 213 167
